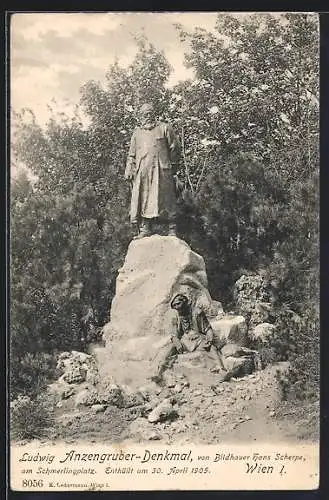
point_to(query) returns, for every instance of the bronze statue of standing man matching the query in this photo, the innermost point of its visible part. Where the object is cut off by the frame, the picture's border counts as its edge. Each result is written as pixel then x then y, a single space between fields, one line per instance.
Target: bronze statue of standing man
pixel 151 166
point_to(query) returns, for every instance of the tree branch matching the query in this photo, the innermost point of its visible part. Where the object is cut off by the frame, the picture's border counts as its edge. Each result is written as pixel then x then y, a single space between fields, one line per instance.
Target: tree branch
pixel 202 171
pixel 185 162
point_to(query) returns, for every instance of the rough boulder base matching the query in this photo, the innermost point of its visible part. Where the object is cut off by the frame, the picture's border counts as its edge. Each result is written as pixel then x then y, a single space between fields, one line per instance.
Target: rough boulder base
pixel 193 369
pixel 229 329
pixel 78 367
pixel 155 269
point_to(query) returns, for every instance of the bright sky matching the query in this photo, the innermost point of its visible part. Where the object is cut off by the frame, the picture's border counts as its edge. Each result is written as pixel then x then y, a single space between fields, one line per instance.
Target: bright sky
pixel 53 54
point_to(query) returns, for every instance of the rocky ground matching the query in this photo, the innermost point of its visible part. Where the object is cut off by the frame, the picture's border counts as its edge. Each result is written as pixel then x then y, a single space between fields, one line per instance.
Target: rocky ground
pixel 243 409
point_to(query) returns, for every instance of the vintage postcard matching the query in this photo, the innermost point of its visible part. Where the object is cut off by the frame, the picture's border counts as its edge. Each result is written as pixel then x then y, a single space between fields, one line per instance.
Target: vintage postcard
pixel 164 251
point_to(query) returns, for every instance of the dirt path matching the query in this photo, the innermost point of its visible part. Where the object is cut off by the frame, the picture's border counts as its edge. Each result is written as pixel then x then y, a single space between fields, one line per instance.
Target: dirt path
pixel 246 409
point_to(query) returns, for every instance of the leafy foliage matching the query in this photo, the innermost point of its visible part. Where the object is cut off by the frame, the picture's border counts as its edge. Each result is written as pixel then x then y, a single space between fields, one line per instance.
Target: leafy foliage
pixel 31 374
pixel 302 381
pixel 31 418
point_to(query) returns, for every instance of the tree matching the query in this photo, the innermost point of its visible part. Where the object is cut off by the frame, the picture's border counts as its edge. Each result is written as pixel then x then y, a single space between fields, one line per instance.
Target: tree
pixel 249 120
pixel 70 228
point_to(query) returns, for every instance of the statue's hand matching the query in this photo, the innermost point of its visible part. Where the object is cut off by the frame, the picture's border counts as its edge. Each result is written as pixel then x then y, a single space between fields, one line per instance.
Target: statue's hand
pixel 129 176
pixel 209 336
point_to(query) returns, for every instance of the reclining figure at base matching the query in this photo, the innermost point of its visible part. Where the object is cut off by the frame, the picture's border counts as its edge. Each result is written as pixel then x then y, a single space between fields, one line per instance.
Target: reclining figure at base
pixel 191 332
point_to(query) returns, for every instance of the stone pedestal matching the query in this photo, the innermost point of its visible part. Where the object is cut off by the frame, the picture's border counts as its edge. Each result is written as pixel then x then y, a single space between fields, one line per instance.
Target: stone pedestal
pixel 155 269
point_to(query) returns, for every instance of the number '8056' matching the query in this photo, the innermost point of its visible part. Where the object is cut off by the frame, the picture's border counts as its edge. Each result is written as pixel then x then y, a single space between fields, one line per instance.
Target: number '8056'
pixel 32 483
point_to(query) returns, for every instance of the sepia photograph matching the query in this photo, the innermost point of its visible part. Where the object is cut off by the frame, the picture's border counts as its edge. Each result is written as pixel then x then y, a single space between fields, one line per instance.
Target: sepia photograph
pixel 164 250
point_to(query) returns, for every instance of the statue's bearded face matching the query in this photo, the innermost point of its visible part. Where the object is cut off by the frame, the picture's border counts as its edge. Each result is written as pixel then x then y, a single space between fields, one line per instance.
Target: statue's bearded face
pixel 146 114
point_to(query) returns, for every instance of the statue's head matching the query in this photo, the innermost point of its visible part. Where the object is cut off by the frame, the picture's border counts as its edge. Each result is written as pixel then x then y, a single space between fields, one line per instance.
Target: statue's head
pixel 179 302
pixel 147 113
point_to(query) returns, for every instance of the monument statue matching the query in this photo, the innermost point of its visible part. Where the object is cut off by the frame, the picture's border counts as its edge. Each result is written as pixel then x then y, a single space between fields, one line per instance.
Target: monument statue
pixel 151 165
pixel 162 310
pixel 191 331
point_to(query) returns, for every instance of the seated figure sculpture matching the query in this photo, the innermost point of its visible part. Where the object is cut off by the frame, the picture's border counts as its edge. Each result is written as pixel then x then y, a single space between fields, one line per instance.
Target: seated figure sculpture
pixel 191 331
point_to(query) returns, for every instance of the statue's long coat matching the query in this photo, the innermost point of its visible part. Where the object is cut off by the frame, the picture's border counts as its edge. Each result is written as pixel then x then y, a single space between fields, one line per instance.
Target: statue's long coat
pixel 150 159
